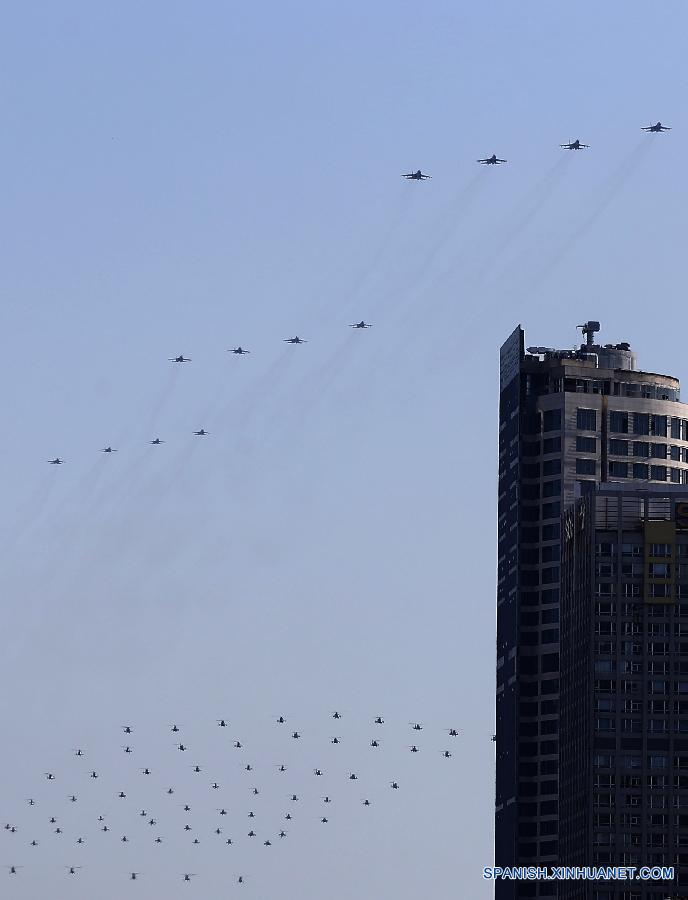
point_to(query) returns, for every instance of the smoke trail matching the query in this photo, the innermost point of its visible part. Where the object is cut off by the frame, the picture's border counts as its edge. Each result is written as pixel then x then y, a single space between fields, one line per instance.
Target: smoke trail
pixel 262 388
pixel 524 213
pixel 608 192
pixel 163 397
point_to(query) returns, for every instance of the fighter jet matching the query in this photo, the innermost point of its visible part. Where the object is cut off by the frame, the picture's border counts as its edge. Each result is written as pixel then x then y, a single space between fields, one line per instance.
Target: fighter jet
pixel 179 359
pixel 446 754
pixel 574 145
pixel 108 450
pixel 158 441
pixel 238 350
pixel 187 876
pixel 360 324
pixel 295 340
pixel 221 723
pixel 72 869
pixel 452 732
pixel 657 127
pixel 174 728
pixel 127 729
pixel 491 160
pixel 55 462
pixel 281 720
pixel 201 432
pixel 13 869
pixel 416 726
pixel 127 749
pixel 416 176
pixel 50 776
pixel 379 721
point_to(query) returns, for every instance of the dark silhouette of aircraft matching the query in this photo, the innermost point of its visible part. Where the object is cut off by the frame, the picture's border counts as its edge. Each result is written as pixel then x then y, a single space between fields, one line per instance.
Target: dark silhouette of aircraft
pixel 214 785
pixel 657 127
pixel 282 768
pixel 72 869
pixel 223 812
pixel 201 432
pixel 366 802
pixel 374 744
pixel 127 729
pixel 50 776
pixel 379 721
pixel 221 723
pixel 78 752
pixel 181 747
pixel 324 820
pixel 413 748
pixel 295 340
pixel 172 727
pixel 574 145
pixel 196 769
pixel 72 799
pixel 13 869
pixel 282 834
pixel 415 726
pixel 394 785
pixel 127 749
pixel 360 324
pixel 187 876
pixel 281 720
pixel 239 351
pixel 491 160
pixel 452 732
pixel 55 462
pixel 179 359
pixel 416 176
pixel 335 740
pixel 237 744
pixel 93 774
pixel 446 754
pixel 145 771
pixel 122 795
pixel 108 450
pixel 134 875
pixel 296 735
pixel 158 441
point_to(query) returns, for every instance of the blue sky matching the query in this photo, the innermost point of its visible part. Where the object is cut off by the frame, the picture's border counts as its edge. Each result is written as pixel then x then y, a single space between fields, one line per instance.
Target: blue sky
pixel 183 179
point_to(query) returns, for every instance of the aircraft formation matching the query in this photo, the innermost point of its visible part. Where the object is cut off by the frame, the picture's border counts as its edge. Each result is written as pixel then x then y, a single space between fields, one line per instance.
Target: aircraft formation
pixel 494 160
pixel 223 808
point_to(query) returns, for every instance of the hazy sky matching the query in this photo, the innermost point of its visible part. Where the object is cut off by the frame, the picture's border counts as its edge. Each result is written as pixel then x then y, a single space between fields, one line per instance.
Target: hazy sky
pixel 183 178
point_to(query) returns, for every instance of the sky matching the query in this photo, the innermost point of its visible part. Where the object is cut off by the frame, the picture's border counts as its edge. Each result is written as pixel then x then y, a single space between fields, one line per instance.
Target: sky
pixel 184 178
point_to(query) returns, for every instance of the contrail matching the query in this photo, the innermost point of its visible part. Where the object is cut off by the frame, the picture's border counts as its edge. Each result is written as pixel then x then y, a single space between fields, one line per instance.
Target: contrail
pixel 163 397
pixel 608 192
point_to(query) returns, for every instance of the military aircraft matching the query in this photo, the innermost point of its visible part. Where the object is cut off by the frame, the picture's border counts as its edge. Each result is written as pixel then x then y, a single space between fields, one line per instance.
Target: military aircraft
pixel 127 729
pixel 360 324
pixel 201 432
pixel 134 875
pixel 452 732
pixel 181 747
pixel 50 776
pixel 379 721
pixel 108 450
pixel 574 145
pixel 366 802
pixel 374 743
pixel 222 723
pixel 416 726
pixel 657 127
pixel 172 727
pixel 296 735
pixel 13 869
pixel 394 785
pixel 72 869
pixel 187 876
pixel 491 160
pixel 416 176
pixel 295 340
pixel 158 441
pixel 281 720
pixel 239 351
pixel 55 462
pixel 179 359
pixel 446 754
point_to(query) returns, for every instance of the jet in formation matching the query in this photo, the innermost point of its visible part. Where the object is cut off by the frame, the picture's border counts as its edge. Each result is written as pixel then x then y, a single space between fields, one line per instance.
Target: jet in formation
pixel 179 359
pixel 108 450
pixel 575 145
pixel 201 432
pixel 360 324
pixel 657 127
pixel 295 340
pixel 491 160
pixel 416 176
pixel 56 462
pixel 157 441
pixel 239 351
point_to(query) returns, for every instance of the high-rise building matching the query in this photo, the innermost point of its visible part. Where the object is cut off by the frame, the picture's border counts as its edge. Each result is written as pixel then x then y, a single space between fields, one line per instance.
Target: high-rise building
pixel 568 420
pixel 623 779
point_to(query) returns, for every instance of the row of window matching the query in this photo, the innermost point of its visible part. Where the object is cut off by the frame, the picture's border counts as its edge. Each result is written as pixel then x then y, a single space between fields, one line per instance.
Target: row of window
pixel 654 707
pixel 619 422
pixel 607 548
pixel 638 471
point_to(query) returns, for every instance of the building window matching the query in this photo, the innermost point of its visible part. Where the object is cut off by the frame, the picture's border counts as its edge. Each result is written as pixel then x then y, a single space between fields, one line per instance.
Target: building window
pixel 551 420
pixel 640 470
pixel 586 444
pixel 641 448
pixel 618 469
pixel 659 425
pixel 618 448
pixel 551 445
pixel 658 473
pixel 659 570
pixel 658 451
pixel 676 476
pixel 551 488
pixel 550 532
pixel 586 419
pixel 675 454
pixel 586 466
pixel 551 510
pixel 551 467
pixel 641 423
pixel 550 553
pixel 618 422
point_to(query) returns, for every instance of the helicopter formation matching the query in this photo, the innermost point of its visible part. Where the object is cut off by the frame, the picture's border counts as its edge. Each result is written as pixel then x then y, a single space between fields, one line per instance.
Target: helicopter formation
pixel 48 820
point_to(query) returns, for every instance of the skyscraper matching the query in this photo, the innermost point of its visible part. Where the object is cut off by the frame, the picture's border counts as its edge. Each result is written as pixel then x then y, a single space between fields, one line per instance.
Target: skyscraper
pixel 568 420
pixel 623 779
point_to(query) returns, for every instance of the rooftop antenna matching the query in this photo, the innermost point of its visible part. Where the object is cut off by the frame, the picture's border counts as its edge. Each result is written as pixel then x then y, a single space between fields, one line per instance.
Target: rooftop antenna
pixel 589 330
